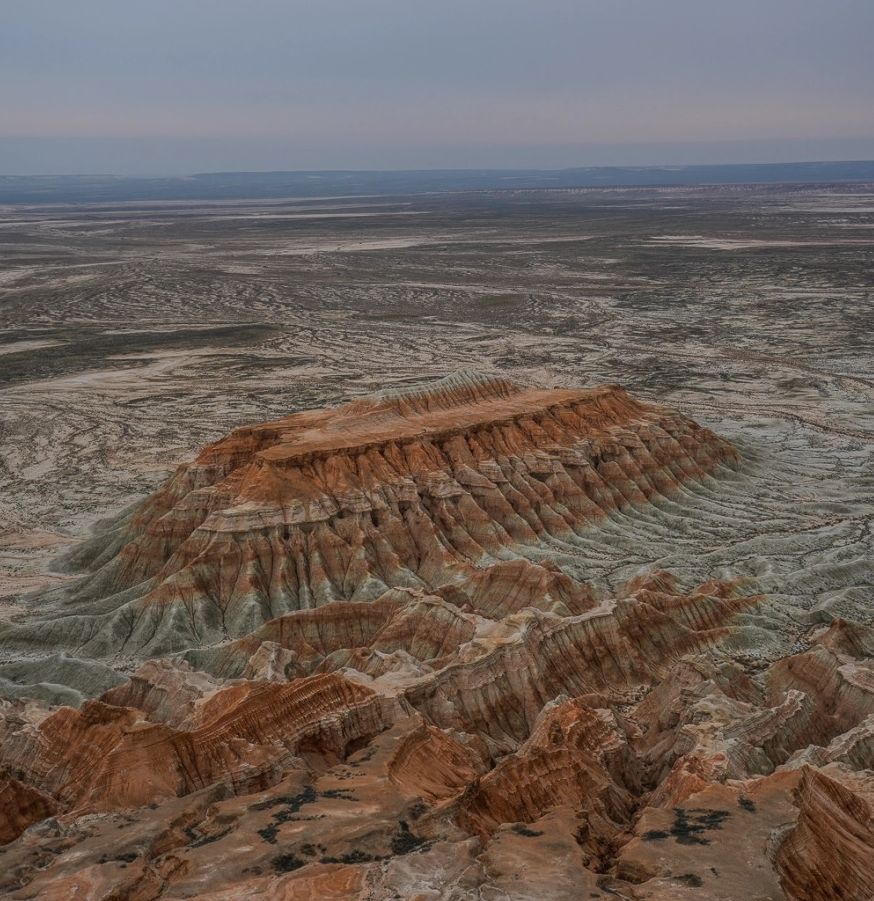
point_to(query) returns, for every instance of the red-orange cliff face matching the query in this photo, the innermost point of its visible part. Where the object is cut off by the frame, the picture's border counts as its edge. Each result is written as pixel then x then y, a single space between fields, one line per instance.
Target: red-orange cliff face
pixel 373 664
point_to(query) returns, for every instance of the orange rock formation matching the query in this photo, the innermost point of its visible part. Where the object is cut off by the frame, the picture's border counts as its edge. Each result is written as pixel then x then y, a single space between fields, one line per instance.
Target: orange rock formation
pixel 370 664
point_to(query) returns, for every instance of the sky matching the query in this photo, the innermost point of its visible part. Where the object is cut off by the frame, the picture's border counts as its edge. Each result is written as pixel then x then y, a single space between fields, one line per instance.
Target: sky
pixel 180 86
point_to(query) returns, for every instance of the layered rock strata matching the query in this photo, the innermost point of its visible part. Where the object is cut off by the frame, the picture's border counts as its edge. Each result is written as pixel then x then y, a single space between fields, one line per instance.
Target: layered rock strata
pixel 368 662
pixel 468 491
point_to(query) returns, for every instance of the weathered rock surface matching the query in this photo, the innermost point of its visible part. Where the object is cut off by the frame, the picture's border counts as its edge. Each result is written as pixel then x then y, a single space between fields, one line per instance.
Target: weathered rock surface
pixel 459 491
pixel 366 660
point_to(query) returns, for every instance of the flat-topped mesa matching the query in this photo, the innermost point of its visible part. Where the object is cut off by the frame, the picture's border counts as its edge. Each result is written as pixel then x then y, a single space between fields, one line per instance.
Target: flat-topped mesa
pixel 459 423
pixel 458 489
pixel 363 425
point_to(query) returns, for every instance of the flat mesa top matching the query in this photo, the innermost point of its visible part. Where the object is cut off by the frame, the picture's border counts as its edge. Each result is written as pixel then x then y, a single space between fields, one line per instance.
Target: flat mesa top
pixel 368 423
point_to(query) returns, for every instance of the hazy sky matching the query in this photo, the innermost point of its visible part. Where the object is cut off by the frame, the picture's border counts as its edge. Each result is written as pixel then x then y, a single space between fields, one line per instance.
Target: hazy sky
pixel 158 86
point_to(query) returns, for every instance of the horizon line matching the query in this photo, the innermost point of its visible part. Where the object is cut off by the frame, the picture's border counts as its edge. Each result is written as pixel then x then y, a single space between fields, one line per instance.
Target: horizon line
pixel 446 169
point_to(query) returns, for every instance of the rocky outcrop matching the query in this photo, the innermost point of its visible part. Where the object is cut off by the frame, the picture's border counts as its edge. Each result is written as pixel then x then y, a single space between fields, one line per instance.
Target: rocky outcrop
pixel 576 757
pixel 363 655
pixel 21 806
pixel 829 854
pixel 455 490
pixel 102 757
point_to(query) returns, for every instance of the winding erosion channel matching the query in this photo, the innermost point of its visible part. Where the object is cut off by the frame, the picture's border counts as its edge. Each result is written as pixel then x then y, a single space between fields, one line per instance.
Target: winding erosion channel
pixel 491 545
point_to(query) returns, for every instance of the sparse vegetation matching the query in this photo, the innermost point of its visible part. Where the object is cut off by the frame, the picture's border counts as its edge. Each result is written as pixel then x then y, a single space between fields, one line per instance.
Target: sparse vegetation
pixel 285 863
pixel 417 809
pixel 268 833
pixel 292 803
pixel 404 842
pixel 689 826
pixel 688 830
pixel 341 794
pixel 355 856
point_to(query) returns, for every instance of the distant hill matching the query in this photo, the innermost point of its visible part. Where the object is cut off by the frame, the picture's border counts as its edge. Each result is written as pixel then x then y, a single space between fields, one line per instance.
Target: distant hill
pixel 240 185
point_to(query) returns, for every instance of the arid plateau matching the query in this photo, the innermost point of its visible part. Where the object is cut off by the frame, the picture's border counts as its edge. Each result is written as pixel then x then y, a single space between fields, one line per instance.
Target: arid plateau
pixel 500 544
